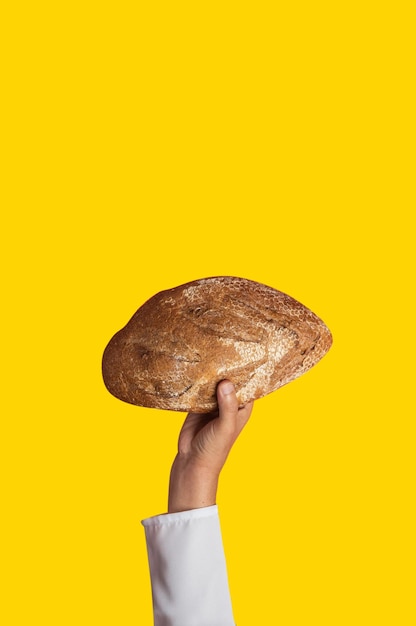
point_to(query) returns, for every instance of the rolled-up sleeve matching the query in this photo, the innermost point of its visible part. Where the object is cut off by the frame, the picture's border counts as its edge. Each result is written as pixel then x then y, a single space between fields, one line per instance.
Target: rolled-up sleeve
pixel 188 569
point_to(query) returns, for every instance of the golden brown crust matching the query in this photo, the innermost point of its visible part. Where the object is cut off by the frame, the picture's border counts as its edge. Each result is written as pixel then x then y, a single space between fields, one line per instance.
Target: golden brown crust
pixel 182 342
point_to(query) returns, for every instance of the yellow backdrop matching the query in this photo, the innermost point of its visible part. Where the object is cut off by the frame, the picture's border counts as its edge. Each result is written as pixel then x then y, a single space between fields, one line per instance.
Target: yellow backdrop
pixel 148 144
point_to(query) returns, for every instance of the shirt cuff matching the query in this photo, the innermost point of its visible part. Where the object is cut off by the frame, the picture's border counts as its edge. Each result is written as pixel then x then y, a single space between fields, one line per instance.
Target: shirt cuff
pixel 182 516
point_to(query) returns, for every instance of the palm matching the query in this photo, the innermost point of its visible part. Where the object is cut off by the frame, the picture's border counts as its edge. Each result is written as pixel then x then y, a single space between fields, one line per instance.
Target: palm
pixel 211 436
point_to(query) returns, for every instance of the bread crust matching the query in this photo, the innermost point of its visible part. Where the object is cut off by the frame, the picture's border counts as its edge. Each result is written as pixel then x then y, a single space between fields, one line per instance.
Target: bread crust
pixel 183 341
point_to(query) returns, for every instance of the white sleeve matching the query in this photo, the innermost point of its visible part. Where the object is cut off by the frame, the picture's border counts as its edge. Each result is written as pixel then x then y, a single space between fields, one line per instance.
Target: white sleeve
pixel 188 569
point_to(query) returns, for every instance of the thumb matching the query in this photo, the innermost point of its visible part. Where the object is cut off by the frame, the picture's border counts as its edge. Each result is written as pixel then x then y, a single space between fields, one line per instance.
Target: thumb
pixel 227 404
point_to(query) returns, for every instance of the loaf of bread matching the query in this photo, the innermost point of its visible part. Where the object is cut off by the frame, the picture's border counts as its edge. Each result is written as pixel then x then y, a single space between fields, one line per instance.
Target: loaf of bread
pixel 182 342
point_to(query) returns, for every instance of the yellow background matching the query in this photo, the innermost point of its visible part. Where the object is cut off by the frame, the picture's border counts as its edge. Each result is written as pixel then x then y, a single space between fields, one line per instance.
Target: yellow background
pixel 148 144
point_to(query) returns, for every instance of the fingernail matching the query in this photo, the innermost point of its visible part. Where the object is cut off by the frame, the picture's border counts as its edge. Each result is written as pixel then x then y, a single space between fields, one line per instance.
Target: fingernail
pixel 227 388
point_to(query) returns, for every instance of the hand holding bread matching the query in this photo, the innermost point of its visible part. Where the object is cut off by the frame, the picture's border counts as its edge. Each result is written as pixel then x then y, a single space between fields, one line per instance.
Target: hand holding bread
pixel 204 444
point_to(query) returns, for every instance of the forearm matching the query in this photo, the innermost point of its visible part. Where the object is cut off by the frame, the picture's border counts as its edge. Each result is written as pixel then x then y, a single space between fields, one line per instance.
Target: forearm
pixel 191 486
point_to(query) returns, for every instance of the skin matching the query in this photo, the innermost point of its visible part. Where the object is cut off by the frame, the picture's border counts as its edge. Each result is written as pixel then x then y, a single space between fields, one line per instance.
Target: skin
pixel 204 444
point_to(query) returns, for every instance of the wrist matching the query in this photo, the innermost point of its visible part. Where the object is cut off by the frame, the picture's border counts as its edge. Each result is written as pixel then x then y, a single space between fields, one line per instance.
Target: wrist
pixel 192 485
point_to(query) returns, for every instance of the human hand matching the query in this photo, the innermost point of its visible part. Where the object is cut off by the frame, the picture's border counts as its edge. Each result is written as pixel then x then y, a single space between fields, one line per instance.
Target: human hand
pixel 204 444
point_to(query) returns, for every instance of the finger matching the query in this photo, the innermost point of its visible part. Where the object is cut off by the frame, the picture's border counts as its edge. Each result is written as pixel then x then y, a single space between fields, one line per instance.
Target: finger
pixel 227 404
pixel 193 423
